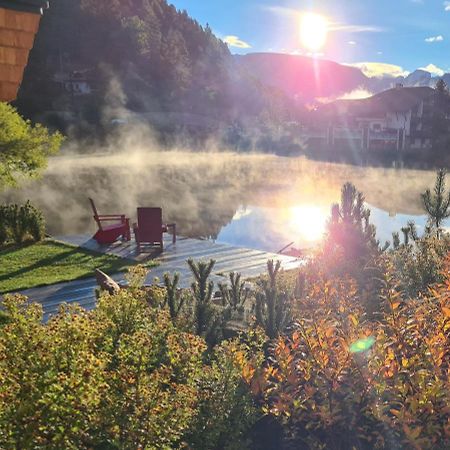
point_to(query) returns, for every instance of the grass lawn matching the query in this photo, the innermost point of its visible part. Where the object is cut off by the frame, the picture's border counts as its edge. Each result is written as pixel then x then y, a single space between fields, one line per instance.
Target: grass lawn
pixel 49 262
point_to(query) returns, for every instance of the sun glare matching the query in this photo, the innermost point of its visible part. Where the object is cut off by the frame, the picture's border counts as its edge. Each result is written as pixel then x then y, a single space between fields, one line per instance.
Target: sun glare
pixel 308 221
pixel 313 31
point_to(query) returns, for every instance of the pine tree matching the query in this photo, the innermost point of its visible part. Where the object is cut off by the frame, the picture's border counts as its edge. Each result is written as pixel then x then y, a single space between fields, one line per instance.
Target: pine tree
pixel 173 299
pixel 236 294
pixel 437 205
pixel 349 227
pixel 273 305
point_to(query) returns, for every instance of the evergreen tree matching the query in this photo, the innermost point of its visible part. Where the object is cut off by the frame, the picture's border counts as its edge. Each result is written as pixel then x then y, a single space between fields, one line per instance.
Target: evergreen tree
pixel 440 118
pixel 349 227
pixel 437 204
pixel 273 306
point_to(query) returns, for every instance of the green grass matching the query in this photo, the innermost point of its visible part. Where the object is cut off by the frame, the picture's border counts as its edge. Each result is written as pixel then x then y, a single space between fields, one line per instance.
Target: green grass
pixel 49 262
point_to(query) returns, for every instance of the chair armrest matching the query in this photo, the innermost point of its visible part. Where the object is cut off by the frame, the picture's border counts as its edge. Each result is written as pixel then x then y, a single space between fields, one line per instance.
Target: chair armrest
pixel 174 231
pixel 110 216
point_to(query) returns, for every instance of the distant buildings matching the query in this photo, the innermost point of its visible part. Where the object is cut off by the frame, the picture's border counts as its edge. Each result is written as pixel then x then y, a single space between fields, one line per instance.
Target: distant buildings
pixel 398 119
pixel 19 23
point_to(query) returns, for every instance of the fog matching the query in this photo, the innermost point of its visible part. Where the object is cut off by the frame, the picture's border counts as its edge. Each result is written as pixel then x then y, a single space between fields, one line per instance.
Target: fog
pixel 199 190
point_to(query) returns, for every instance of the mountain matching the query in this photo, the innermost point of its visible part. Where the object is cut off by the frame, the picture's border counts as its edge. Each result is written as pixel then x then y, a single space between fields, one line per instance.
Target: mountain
pixel 302 77
pixel 96 62
pixel 309 79
pixel 418 78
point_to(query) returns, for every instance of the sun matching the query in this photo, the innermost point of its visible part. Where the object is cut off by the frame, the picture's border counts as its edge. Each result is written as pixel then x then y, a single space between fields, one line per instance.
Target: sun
pixel 313 31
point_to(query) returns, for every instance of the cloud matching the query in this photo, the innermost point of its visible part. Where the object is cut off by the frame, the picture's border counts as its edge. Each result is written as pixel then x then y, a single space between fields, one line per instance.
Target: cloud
pixel 351 43
pixel 447 6
pixel 332 26
pixel 234 41
pixel 281 10
pixel 380 70
pixel 355 28
pixel 439 38
pixel 356 94
pixel 434 70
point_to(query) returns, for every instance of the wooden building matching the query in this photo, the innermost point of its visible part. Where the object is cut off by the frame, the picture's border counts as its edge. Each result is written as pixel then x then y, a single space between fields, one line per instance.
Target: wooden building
pixel 19 23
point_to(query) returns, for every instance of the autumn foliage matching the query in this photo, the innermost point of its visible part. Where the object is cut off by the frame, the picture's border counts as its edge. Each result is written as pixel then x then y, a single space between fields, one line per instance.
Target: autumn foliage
pixel 340 381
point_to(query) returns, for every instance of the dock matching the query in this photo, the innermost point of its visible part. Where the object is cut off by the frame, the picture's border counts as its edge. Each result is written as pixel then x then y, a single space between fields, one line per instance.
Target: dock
pixel 249 262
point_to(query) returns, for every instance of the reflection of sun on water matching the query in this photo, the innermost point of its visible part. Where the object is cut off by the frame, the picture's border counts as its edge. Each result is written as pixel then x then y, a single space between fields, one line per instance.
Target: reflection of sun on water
pixel 308 222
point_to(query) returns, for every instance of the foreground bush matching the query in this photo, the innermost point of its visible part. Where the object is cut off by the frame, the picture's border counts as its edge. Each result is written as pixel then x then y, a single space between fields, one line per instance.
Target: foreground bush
pixel 21 222
pixel 119 377
pixel 340 381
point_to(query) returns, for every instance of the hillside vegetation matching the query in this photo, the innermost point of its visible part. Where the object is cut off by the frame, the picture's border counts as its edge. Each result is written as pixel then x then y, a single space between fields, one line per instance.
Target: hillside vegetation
pixel 139 56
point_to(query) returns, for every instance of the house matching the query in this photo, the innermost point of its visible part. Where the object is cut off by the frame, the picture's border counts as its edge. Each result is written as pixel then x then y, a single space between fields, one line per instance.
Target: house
pixel 19 23
pixel 77 82
pixel 396 119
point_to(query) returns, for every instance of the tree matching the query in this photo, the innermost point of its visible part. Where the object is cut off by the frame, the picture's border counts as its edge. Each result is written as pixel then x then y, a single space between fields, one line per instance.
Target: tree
pixel 349 227
pixel 273 305
pixel 441 109
pixel 437 205
pixel 24 148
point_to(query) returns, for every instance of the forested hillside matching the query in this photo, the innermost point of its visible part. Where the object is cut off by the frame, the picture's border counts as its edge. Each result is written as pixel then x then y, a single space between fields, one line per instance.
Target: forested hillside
pixel 94 58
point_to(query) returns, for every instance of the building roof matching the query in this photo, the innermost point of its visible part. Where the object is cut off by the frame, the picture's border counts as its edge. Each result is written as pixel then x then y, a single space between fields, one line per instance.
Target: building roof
pixel 32 6
pixel 396 100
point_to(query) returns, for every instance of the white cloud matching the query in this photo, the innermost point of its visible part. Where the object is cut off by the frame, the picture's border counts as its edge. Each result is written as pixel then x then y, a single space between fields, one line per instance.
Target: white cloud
pixel 380 70
pixel 447 6
pixel 234 41
pixel 439 38
pixel 356 94
pixel 351 43
pixel 332 26
pixel 434 70
pixel 355 28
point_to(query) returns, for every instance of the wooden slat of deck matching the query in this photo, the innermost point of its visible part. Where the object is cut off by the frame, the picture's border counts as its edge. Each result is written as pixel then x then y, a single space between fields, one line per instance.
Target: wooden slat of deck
pixel 248 262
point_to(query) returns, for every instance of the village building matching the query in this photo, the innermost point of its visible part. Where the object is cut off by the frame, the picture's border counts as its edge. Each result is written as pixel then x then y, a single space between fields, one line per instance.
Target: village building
pixel 397 119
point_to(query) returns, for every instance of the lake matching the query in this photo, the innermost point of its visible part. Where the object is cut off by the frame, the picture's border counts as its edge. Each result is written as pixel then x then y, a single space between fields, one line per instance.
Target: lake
pixel 258 201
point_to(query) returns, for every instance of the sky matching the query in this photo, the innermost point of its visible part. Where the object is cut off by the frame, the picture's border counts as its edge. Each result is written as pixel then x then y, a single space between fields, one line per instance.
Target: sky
pixel 382 36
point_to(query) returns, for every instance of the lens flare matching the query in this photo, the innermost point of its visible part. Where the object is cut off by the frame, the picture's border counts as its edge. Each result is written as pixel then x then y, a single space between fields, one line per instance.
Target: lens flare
pixel 362 345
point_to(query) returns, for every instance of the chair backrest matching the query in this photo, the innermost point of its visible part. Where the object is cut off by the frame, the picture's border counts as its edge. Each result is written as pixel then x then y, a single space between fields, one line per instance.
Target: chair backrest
pixel 94 209
pixel 150 224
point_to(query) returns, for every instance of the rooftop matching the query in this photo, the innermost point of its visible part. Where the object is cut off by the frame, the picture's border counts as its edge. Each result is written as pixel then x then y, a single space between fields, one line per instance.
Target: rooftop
pixel 400 99
pixel 32 6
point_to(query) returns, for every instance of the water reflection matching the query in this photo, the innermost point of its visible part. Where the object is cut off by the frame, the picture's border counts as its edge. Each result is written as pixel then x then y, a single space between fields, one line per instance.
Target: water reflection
pixel 258 201
pixel 303 226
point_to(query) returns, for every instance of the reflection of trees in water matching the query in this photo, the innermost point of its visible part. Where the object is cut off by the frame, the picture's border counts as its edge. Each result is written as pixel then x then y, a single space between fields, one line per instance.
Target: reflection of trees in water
pixel 201 199
pixel 202 192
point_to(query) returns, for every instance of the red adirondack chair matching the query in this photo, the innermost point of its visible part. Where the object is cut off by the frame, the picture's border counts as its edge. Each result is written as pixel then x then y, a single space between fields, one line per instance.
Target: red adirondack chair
pixel 150 228
pixel 107 234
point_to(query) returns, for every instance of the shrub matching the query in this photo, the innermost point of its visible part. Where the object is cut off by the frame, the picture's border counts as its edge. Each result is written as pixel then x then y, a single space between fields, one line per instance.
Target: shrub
pixel 419 262
pixel 341 381
pixel 119 377
pixel 227 410
pixel 21 222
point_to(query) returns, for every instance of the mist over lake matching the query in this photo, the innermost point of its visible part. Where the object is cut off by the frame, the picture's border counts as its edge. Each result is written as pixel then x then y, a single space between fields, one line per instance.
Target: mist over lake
pixel 259 201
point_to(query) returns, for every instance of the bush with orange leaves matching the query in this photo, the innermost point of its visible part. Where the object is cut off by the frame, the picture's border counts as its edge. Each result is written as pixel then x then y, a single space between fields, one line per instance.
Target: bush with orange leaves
pixel 341 381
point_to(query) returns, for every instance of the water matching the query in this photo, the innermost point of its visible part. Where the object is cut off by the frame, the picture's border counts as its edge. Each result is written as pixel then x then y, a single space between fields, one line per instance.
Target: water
pixel 257 201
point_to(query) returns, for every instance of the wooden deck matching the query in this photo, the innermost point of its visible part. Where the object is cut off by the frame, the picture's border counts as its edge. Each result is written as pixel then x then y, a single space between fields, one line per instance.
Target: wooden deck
pixel 248 262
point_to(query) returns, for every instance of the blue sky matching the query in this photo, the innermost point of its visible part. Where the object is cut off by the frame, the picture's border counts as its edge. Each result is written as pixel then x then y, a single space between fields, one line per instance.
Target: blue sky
pixel 409 34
